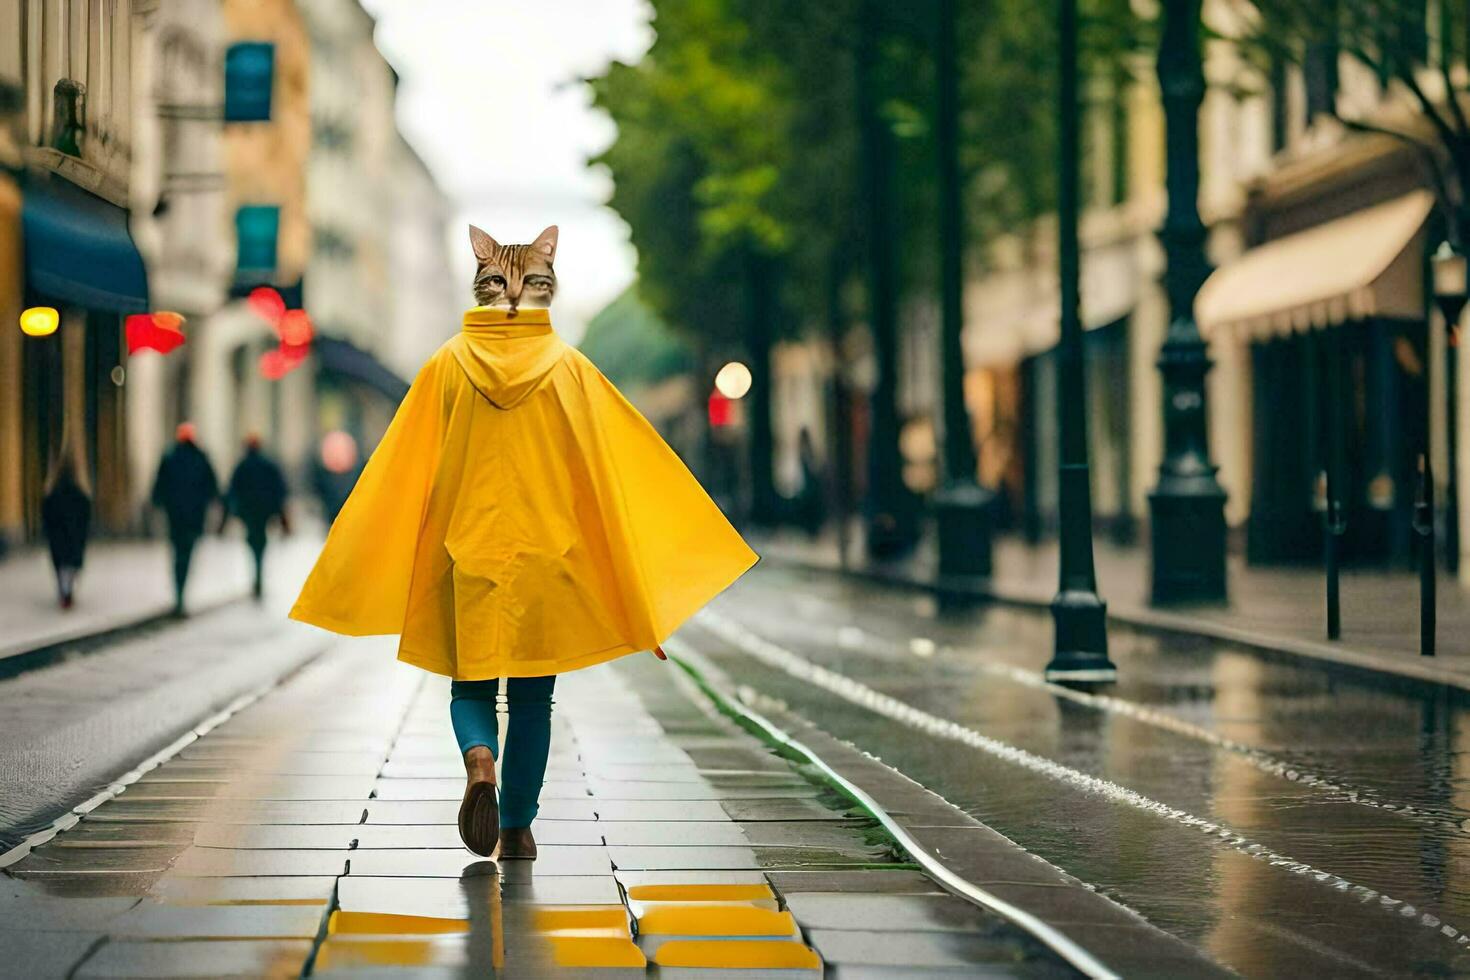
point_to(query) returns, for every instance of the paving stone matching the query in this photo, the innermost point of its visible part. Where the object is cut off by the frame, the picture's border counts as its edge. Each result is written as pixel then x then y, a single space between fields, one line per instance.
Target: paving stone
pixel 609 790
pixel 974 971
pixel 262 787
pixel 704 876
pixel 154 921
pixel 96 833
pixel 453 789
pixel 447 811
pixel 735 858
pixel 279 764
pixel 263 959
pixel 359 956
pixel 913 949
pixel 220 745
pixel 174 889
pixel 129 808
pixel 277 836
pixel 28 902
pixel 219 862
pixel 835 834
pixel 900 882
pixel 751 811
pixel 690 833
pixel 444 863
pixel 50 860
pixel 114 884
pixel 903 913
pixel 553 832
pixel 660 811
pixel 34 954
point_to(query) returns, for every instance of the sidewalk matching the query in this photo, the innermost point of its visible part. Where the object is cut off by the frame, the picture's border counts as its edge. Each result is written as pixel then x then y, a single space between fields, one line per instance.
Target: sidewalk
pixel 1277 609
pixel 294 838
pixel 124 583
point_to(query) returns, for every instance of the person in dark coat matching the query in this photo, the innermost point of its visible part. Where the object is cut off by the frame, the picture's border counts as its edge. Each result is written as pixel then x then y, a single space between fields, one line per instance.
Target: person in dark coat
pixel 257 495
pixel 184 489
pixel 66 516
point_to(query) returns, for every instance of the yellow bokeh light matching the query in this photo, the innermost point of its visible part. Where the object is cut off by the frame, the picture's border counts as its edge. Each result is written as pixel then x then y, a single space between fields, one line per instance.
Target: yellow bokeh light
pixel 39 321
pixel 733 380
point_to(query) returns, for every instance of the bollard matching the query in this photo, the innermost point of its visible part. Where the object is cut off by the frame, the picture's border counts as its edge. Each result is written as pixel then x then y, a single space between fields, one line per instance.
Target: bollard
pixel 1424 527
pixel 1333 528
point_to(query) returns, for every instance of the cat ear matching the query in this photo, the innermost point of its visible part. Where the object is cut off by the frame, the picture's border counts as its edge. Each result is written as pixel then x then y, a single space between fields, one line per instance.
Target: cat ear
pixel 483 244
pixel 545 243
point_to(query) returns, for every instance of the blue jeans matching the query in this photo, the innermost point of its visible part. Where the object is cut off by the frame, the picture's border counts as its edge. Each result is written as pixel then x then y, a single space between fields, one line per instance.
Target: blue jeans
pixel 527 738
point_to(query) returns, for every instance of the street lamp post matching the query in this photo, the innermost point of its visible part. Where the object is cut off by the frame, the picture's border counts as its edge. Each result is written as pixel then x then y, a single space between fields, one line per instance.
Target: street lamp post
pixel 1080 617
pixel 892 516
pixel 961 507
pixel 1187 507
pixel 1451 272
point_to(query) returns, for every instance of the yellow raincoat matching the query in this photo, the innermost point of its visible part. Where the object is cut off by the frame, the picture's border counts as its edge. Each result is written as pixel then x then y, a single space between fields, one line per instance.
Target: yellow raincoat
pixel 519 518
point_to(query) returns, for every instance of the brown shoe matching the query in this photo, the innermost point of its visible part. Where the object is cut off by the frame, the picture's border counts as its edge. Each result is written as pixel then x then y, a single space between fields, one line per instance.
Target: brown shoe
pixel 516 844
pixel 479 814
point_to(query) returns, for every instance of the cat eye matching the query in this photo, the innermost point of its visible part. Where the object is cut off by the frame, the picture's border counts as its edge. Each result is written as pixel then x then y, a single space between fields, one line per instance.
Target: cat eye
pixel 497 281
pixel 538 282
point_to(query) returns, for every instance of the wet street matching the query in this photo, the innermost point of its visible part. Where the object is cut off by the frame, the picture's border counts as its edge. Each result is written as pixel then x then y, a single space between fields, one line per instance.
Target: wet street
pixel 1285 818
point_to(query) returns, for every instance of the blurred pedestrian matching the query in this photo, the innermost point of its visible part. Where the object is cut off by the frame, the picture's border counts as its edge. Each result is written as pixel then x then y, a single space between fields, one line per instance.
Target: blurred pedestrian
pixel 811 500
pixel 184 489
pixel 335 473
pixel 66 516
pixel 256 495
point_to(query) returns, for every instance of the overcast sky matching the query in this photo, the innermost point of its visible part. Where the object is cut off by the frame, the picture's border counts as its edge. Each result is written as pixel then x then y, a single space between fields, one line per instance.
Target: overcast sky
pixel 490 98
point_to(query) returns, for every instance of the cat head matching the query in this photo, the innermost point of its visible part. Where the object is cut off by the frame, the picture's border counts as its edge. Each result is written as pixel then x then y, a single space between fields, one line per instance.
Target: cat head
pixel 508 277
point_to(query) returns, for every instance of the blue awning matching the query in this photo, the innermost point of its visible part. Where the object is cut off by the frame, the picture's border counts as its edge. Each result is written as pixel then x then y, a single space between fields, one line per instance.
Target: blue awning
pixel 78 249
pixel 347 360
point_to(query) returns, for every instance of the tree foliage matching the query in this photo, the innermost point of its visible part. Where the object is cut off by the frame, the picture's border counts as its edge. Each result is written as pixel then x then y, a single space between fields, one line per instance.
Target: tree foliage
pixel 737 136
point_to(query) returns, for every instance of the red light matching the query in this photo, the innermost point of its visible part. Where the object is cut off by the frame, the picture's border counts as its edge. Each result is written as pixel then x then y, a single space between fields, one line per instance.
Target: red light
pixel 719 410
pixel 161 332
pixel 274 365
pixel 295 328
pixel 267 304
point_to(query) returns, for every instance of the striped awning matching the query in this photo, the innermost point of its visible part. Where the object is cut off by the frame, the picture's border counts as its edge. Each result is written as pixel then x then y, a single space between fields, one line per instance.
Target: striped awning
pixel 1367 264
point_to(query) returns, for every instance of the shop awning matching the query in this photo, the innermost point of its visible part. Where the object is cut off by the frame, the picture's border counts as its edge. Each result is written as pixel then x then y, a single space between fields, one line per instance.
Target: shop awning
pixel 347 360
pixel 1367 264
pixel 78 249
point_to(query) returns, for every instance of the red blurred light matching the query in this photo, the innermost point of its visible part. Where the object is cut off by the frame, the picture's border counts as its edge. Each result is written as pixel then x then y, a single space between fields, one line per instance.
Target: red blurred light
pixel 161 332
pixel 267 304
pixel 275 364
pixel 719 410
pixel 295 328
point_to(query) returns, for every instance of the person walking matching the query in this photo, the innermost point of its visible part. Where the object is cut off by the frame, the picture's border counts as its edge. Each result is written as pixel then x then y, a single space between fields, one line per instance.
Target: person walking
pixel 184 489
pixel 518 520
pixel 256 495
pixel 66 517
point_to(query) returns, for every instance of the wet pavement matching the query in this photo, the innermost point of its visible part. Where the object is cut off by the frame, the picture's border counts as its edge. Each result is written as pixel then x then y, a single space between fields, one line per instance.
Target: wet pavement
pixel 1284 817
pixel 313 832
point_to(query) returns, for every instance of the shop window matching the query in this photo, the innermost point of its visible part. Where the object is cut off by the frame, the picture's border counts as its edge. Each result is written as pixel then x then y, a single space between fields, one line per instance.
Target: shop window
pixel 249 71
pixel 256 230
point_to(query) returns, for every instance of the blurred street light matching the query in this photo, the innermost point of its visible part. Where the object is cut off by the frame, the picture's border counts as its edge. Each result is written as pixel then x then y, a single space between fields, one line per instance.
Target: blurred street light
pixel 733 380
pixel 39 321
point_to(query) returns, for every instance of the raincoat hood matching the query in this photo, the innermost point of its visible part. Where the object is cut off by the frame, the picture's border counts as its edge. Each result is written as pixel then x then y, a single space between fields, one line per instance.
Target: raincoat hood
pixel 507 357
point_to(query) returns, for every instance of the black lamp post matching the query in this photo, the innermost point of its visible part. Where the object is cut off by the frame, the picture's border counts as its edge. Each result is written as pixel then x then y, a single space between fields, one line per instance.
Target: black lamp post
pixel 1451 286
pixel 1080 617
pixel 892 525
pixel 961 507
pixel 1187 507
